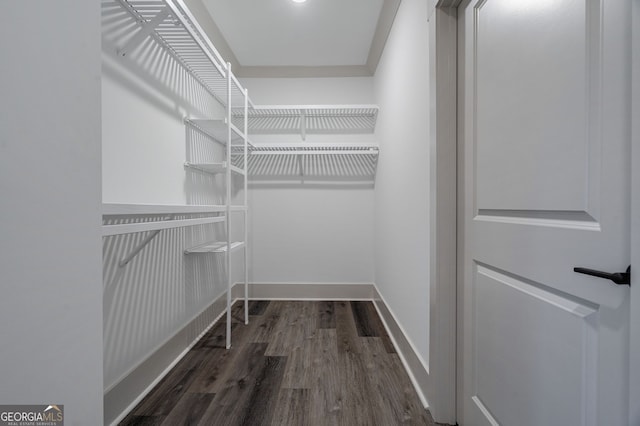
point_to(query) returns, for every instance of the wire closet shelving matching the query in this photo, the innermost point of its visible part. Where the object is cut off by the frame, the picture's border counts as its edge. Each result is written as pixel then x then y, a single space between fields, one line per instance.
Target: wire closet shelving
pixel 170 24
pixel 312 119
pixel 327 161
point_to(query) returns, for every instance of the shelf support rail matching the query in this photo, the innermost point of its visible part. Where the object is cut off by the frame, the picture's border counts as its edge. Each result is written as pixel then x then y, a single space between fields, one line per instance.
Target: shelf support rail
pixel 145 31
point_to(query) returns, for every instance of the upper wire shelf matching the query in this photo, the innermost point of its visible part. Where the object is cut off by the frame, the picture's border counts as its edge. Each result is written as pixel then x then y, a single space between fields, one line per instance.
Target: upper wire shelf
pixel 310 119
pixel 315 149
pixel 171 24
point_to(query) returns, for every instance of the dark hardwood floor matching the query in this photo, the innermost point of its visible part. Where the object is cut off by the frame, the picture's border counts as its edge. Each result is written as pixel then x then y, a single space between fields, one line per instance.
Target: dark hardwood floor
pixel 296 363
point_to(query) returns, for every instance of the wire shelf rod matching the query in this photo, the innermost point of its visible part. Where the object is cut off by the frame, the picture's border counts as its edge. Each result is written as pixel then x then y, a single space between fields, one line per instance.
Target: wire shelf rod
pixel 130 228
pixel 123 209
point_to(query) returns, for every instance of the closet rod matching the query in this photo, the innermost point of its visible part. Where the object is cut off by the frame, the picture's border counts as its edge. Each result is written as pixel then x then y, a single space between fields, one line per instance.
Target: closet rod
pixel 167 223
pixel 122 209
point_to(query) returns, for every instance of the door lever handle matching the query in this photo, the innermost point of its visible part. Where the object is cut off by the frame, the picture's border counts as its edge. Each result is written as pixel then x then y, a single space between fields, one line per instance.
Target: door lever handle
pixel 620 278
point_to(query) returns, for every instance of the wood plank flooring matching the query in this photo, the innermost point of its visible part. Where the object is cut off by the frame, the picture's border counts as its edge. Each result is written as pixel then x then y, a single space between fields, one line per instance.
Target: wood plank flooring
pixel 310 363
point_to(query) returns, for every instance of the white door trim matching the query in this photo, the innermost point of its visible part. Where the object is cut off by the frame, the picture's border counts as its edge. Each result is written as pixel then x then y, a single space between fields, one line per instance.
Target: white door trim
pixel 441 392
pixel 634 328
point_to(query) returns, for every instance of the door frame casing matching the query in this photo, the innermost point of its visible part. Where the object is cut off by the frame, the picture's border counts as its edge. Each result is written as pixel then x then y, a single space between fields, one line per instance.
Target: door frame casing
pixel 441 391
pixel 634 326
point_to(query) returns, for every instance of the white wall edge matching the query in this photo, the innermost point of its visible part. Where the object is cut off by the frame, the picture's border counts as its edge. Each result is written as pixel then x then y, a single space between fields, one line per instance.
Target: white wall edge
pixel 414 364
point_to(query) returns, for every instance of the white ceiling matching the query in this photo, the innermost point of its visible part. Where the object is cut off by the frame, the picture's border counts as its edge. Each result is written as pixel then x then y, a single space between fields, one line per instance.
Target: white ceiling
pixel 280 37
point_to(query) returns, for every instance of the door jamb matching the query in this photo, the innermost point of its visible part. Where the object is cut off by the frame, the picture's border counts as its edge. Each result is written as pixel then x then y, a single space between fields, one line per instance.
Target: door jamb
pixel 441 394
pixel 634 309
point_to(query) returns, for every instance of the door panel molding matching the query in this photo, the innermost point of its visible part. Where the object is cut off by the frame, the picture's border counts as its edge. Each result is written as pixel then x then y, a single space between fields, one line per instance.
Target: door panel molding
pixel 540 343
pixel 572 178
pixel 559 219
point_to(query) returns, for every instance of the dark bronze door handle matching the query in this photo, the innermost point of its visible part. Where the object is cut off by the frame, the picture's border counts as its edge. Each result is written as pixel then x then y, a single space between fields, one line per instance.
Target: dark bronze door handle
pixel 620 278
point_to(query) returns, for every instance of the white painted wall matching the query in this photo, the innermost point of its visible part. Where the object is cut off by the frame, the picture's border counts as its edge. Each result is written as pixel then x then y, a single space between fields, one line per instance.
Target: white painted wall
pixel 309 232
pixel 51 304
pixel 144 136
pixel 310 91
pixel 402 181
pixel 304 234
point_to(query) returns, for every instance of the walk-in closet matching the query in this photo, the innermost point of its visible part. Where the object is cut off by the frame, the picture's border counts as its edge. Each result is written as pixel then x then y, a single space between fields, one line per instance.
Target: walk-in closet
pixel 320 212
pixel 221 191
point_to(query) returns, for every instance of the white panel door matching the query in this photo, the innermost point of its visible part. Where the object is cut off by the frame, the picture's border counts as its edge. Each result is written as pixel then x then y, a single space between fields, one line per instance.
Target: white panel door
pixel 546 143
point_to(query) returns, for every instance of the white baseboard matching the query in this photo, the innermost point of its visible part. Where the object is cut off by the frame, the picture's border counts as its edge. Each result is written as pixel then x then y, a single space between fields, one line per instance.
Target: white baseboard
pixel 123 396
pixel 412 361
pixel 127 393
pixel 307 291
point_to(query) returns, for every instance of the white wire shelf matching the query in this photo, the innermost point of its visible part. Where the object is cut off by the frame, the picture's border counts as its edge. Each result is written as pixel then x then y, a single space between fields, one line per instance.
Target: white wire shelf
pixel 214 247
pixel 172 26
pixel 124 209
pixel 314 150
pixel 310 119
pixel 217 130
pixel 331 162
pixel 214 168
pixel 170 218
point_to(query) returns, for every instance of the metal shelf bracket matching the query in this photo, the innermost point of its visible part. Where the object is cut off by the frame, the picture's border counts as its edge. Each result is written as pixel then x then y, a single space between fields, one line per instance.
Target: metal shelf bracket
pixel 145 31
pixel 128 258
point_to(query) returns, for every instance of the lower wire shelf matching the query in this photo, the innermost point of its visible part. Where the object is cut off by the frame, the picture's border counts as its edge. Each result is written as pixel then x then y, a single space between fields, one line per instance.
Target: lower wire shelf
pixel 214 247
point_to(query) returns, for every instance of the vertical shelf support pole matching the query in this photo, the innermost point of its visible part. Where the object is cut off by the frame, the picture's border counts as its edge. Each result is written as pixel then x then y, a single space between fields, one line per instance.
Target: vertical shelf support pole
pixel 300 167
pixel 303 125
pixel 246 207
pixel 228 205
